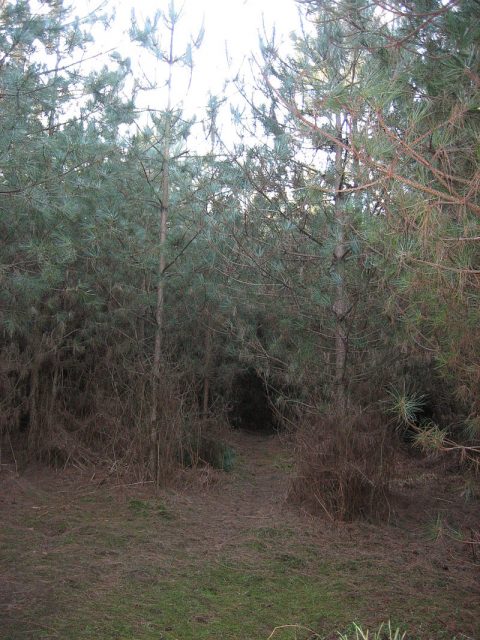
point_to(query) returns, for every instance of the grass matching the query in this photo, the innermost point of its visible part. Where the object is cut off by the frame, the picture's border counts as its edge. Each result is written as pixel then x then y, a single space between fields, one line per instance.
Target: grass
pixel 212 601
pixel 103 585
pixel 284 463
pixel 150 507
pixel 129 567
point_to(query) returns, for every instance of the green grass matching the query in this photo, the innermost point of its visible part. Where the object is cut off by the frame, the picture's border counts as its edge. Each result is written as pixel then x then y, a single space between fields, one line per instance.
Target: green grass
pixel 131 596
pixel 220 601
pixel 152 507
pixel 224 601
pixel 284 463
pixel 118 568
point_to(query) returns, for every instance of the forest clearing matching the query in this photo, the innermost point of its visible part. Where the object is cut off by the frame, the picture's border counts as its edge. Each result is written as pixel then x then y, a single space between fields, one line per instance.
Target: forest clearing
pixel 225 557
pixel 239 319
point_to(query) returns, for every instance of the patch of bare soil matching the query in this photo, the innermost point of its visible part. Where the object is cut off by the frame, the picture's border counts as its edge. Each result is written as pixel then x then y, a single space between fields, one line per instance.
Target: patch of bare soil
pixel 426 551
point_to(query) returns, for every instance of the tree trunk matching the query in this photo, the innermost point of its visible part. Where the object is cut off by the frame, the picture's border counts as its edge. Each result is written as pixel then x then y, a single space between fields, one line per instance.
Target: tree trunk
pixel 340 305
pixel 34 417
pixel 160 308
pixel 207 368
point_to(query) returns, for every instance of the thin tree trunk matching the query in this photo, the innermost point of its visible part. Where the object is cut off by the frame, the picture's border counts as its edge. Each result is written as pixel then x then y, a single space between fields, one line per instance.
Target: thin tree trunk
pixel 340 305
pixel 34 418
pixel 207 369
pixel 160 307
pixel 208 345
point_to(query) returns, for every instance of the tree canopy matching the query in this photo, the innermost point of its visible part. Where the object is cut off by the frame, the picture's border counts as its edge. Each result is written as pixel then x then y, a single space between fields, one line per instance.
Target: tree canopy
pixel 330 254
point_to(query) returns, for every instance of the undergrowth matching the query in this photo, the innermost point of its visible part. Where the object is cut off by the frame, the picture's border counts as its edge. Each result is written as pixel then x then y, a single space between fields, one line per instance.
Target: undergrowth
pixel 344 466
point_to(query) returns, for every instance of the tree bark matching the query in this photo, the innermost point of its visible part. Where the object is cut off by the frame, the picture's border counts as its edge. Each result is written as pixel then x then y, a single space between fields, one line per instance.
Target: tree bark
pixel 160 307
pixel 207 368
pixel 340 305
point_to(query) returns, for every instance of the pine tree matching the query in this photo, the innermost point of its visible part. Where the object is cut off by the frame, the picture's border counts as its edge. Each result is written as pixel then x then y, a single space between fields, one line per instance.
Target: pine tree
pixel 423 95
pixel 55 150
pixel 316 90
pixel 163 147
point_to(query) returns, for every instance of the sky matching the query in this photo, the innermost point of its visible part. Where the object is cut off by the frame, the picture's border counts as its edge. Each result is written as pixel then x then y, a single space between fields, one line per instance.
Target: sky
pixel 229 25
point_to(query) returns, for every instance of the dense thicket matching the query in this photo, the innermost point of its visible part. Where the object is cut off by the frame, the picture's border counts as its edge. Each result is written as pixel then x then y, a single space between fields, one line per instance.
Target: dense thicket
pixel 332 261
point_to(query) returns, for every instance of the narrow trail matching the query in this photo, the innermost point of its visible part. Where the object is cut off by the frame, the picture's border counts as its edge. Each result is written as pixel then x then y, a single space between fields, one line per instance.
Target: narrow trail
pixel 230 506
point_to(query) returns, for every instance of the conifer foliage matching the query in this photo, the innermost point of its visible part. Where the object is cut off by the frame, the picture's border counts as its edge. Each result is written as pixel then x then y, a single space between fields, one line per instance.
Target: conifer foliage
pixel 331 253
pixel 59 139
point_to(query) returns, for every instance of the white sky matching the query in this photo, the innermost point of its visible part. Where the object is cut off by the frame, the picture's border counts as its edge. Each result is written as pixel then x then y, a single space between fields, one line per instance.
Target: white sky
pixel 235 23
pixel 229 24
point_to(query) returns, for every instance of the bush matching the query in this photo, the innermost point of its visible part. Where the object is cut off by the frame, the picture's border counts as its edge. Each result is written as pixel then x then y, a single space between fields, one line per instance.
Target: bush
pixel 208 451
pixel 344 466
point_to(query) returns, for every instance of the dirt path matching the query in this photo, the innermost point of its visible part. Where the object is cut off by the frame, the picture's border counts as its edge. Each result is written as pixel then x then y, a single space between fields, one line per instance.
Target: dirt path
pixel 77 557
pixel 223 509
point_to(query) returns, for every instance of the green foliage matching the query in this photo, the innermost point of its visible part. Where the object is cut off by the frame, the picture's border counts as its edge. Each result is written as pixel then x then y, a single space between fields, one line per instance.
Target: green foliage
pixel 204 450
pixel 405 407
pixel 471 428
pixel 260 242
pixel 430 437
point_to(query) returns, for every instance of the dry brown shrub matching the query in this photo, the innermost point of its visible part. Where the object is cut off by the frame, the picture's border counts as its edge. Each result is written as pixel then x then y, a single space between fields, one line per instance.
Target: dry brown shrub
pixel 344 466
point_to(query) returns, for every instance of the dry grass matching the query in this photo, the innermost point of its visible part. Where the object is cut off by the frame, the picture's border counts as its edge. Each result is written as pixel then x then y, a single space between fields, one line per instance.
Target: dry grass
pixel 99 416
pixel 344 466
pixel 228 559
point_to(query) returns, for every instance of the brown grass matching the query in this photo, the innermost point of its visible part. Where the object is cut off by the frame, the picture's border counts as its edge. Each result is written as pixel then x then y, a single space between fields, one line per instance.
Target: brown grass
pixel 343 467
pixel 225 557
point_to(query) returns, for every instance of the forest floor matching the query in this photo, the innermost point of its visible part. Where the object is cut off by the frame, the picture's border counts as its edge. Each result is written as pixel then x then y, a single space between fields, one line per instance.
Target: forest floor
pixel 224 556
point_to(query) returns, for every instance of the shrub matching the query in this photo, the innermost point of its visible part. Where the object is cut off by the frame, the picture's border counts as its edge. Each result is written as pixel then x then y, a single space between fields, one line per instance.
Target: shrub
pixel 343 467
pixel 203 450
